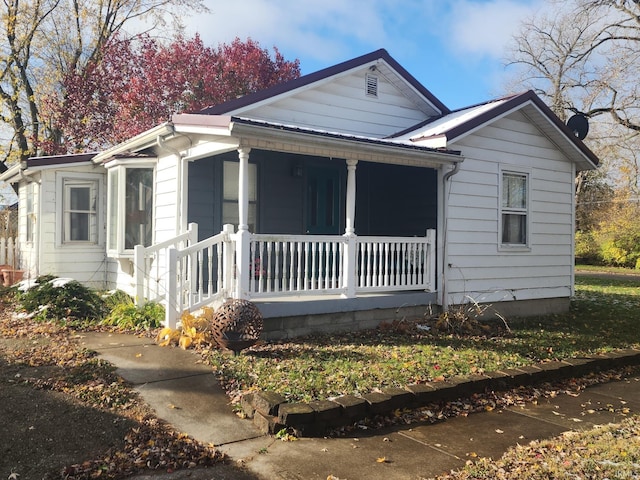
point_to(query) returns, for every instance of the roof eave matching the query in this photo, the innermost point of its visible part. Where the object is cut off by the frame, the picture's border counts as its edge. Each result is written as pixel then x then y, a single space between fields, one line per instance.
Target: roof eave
pixel 589 159
pixel 12 175
pixel 137 143
pixel 351 148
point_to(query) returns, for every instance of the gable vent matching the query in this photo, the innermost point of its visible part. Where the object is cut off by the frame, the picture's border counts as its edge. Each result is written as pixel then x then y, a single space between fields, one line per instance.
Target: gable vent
pixel 371 85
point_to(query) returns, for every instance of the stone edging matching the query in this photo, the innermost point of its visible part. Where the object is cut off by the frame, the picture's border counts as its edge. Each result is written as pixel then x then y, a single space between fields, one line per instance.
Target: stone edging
pixel 271 412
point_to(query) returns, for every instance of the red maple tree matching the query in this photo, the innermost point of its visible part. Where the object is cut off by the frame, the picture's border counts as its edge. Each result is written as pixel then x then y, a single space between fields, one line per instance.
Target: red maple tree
pixel 136 84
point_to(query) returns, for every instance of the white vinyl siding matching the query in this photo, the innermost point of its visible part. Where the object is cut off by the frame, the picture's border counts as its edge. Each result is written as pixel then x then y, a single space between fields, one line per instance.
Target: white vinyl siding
pixel 480 267
pixel 80 260
pixel 343 105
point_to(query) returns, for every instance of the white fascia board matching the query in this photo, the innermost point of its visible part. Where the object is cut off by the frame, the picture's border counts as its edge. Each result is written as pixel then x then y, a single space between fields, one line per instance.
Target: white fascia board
pixel 12 175
pixel 208 148
pixel 139 142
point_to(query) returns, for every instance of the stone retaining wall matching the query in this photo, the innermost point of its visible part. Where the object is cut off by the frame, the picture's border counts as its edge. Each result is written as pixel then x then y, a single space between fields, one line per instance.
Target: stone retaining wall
pixel 271 413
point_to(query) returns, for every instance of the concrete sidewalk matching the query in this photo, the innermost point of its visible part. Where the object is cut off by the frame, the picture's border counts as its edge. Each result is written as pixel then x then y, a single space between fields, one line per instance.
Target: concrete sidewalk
pixel 184 392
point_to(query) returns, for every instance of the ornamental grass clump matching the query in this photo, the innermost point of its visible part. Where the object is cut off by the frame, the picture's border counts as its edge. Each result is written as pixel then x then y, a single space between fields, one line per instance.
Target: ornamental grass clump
pixel 126 315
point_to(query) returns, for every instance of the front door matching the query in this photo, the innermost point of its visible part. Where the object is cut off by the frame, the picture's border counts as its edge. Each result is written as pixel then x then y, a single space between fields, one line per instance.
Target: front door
pixel 323 201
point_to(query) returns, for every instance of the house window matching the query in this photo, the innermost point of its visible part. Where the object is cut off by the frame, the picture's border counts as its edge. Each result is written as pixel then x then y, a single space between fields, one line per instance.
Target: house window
pixel 138 224
pixel 80 211
pixel 130 208
pixel 230 212
pixel 514 209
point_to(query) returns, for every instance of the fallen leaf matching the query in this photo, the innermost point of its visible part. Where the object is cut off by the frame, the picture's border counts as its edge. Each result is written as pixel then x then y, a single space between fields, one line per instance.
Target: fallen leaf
pixel 138 355
pixel 382 460
pixel 499 431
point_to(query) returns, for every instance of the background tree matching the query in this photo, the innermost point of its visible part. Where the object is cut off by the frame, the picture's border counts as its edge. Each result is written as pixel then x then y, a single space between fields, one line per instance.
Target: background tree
pixel 135 84
pixel 43 41
pixel 583 56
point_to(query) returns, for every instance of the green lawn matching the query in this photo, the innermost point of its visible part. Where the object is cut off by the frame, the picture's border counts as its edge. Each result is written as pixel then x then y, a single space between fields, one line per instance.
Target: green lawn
pixel 604 316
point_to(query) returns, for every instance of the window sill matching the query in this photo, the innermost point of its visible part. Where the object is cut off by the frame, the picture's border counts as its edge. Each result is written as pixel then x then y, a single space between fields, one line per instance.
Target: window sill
pixel 514 248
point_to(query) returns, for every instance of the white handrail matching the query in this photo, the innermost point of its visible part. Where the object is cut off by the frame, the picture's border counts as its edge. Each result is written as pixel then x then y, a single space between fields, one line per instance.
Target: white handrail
pixel 150 265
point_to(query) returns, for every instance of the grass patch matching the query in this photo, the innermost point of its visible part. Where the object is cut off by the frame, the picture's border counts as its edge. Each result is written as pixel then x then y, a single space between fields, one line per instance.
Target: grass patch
pixel 610 451
pixel 604 316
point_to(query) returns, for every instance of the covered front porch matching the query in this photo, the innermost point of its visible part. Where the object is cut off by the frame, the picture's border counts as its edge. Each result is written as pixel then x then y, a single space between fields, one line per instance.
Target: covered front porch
pixel 286 212
pixel 288 275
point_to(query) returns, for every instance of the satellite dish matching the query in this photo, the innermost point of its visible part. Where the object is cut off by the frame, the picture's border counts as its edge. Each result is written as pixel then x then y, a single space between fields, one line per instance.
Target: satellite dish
pixel 579 125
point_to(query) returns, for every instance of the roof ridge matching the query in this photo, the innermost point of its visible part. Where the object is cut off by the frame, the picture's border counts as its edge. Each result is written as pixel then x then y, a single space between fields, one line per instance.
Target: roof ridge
pixel 255 97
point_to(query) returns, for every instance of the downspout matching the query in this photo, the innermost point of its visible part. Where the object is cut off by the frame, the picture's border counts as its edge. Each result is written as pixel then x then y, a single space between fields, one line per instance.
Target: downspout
pixel 445 246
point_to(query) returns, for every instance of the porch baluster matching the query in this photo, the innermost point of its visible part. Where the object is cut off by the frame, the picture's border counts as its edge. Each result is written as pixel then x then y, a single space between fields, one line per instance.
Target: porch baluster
pixel 298 266
pixel 266 269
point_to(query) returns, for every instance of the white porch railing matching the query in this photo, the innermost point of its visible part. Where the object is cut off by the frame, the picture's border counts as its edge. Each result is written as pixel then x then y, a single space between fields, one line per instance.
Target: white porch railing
pixel 9 254
pixel 289 265
pixel 199 274
pixel 395 263
pixel 151 268
pixel 296 264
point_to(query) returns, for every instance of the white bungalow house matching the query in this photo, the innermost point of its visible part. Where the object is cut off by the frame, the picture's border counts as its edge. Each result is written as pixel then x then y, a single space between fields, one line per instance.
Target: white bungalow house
pixel 334 201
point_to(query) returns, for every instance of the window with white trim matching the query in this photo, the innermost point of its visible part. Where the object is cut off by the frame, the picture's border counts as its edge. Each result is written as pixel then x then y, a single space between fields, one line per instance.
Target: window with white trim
pixel 130 208
pixel 79 219
pixel 514 209
pixel 78 209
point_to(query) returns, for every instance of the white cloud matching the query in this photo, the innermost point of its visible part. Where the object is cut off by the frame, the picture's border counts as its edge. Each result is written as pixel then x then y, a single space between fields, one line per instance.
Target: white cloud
pixel 484 28
pixel 318 30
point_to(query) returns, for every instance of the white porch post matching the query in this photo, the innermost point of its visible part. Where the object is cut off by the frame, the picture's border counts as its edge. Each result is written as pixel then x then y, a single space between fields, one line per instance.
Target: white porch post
pixel 242 247
pixel 350 254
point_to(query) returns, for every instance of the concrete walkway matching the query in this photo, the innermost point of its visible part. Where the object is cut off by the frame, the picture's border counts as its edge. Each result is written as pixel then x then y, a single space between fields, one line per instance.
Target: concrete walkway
pixel 184 392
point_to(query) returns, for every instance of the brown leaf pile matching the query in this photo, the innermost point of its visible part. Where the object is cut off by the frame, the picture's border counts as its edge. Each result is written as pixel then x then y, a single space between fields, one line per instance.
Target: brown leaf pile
pixel 152 445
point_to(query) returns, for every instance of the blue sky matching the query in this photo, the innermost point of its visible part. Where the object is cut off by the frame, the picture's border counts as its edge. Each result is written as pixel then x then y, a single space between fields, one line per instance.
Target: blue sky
pixel 455 48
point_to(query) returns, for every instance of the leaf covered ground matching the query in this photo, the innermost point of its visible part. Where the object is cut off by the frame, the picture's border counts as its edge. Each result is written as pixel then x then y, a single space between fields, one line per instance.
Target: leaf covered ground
pixel 67 415
pixel 604 316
